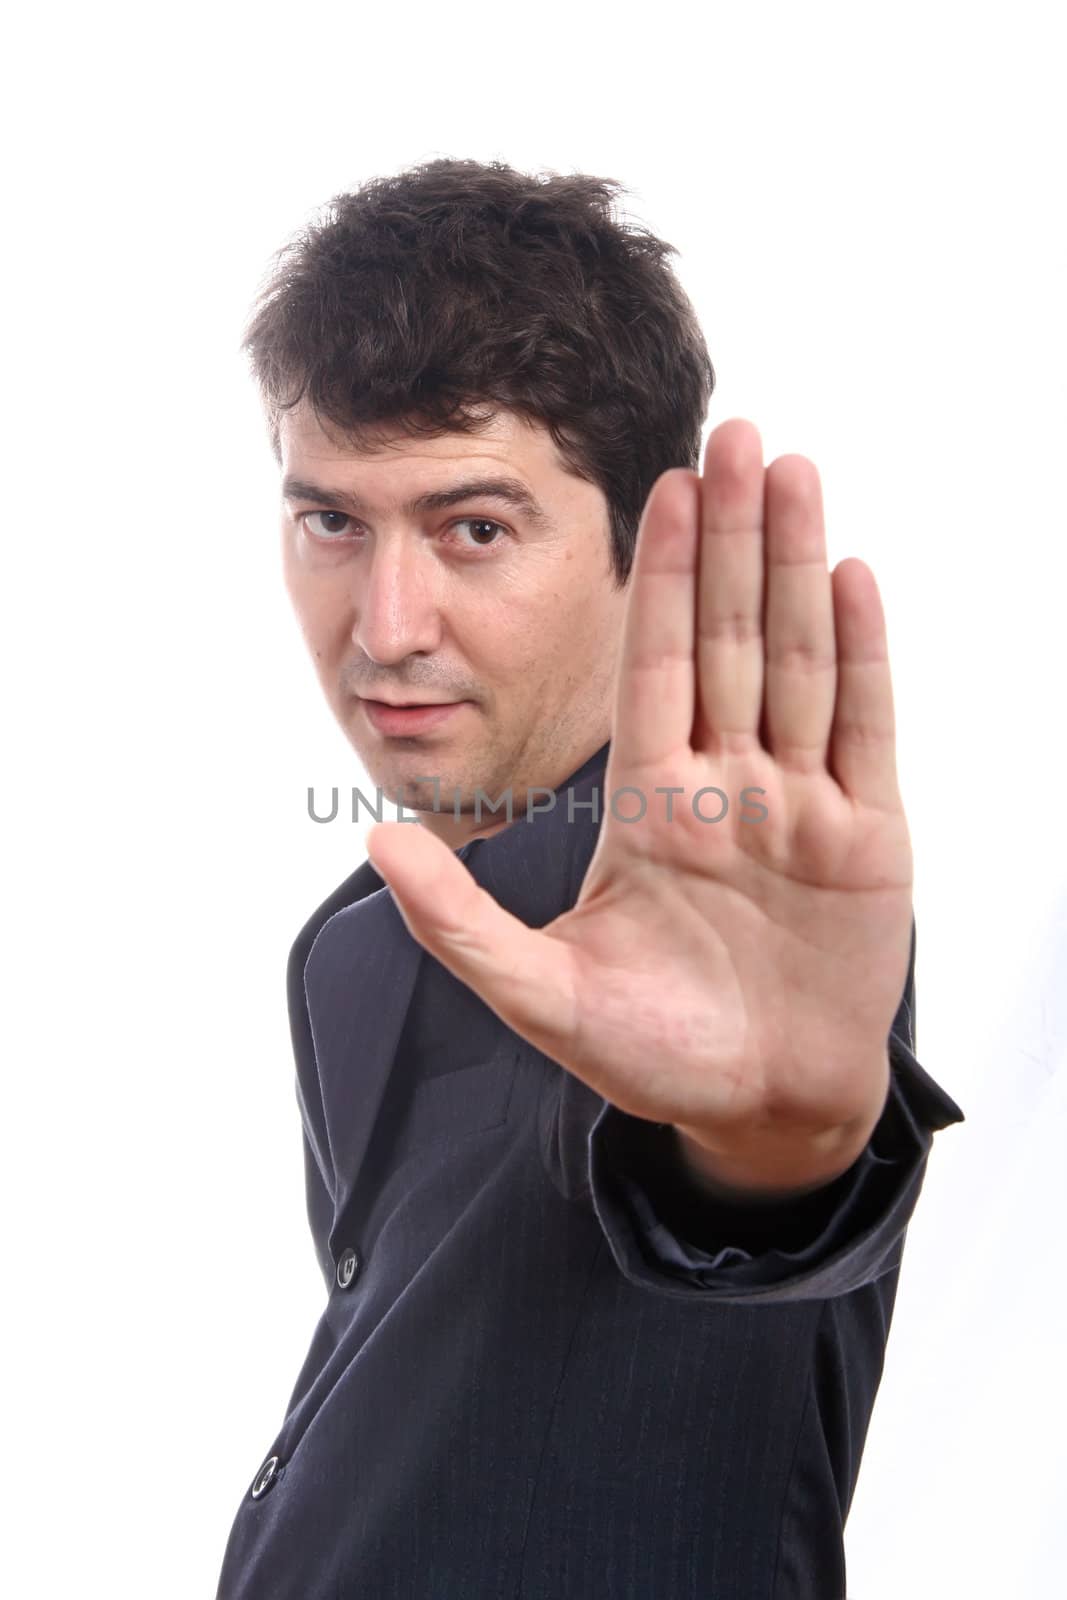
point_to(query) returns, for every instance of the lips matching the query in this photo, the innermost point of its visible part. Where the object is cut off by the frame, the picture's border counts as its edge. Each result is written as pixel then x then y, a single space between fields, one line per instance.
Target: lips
pixel 398 720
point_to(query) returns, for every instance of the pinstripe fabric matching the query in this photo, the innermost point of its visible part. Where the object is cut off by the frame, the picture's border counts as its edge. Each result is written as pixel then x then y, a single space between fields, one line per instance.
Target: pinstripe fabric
pixel 559 1372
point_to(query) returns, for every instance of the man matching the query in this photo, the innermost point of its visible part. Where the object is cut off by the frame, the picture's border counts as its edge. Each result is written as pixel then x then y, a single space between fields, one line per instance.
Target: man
pixel 612 1121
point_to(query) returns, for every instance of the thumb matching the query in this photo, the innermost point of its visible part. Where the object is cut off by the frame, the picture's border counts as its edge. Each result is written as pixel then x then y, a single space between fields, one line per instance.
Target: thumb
pixel 521 973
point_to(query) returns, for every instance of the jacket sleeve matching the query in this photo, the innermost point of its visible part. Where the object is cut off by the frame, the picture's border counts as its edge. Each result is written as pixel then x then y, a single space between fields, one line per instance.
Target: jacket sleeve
pixel 668 1235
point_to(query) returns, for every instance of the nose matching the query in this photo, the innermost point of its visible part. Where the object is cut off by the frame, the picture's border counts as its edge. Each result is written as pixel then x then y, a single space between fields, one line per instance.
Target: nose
pixel 396 605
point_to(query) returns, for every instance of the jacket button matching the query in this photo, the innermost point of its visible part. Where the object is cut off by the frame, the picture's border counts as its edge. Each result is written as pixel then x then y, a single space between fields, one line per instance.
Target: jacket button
pixel 347 1267
pixel 265 1477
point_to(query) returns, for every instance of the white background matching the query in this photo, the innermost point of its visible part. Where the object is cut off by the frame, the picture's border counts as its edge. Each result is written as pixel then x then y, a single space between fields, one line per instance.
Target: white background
pixel 868 208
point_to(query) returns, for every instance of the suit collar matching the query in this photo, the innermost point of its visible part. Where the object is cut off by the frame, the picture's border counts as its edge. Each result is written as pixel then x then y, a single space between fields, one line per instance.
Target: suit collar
pixel 363 963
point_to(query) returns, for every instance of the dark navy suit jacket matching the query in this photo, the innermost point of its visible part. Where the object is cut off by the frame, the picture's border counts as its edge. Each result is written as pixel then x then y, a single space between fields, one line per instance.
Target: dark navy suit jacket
pixel 548 1367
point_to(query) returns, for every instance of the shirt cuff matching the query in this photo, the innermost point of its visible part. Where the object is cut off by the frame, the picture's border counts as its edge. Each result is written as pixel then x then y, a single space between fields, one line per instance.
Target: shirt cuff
pixel 666 1234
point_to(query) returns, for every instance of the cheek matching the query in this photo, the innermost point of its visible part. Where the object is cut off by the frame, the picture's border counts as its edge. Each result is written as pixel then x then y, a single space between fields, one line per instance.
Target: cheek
pixel 324 615
pixel 516 650
pixel 294 578
pixel 554 640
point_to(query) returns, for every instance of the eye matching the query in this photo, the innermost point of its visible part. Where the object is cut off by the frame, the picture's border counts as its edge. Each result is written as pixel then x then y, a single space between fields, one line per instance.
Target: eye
pixel 329 516
pixel 332 526
pixel 481 524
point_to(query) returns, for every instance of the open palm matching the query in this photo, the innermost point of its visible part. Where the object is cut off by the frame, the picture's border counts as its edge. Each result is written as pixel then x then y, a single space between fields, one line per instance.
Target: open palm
pixel 736 977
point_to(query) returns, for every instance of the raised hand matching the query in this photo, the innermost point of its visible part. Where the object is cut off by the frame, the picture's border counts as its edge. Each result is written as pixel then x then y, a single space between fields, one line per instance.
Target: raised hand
pixel 737 978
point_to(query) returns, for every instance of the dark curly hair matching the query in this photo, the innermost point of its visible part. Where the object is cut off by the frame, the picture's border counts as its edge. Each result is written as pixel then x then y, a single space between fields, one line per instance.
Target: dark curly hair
pixel 455 285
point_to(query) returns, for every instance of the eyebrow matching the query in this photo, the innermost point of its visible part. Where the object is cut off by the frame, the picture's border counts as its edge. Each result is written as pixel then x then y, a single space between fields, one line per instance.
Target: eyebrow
pixel 509 490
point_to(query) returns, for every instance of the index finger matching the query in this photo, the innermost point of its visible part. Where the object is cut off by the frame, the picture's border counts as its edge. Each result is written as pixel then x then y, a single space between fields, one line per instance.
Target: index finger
pixel 655 689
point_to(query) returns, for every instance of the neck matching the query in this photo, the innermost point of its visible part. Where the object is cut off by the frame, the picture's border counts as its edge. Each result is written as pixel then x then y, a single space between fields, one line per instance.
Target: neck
pixel 484 824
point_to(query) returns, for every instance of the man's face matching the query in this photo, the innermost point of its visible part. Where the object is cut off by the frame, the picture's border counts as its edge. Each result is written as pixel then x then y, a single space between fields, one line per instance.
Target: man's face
pixel 509 609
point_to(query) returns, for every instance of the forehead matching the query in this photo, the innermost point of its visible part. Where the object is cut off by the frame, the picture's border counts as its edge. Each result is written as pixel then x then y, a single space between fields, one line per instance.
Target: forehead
pixel 304 438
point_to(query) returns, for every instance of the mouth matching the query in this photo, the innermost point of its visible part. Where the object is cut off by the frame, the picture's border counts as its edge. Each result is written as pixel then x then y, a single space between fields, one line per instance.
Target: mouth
pixel 406 705
pixel 401 718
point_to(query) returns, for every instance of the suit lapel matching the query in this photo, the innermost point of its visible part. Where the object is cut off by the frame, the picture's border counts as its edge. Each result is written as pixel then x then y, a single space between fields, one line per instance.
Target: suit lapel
pixel 363 963
pixel 358 980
